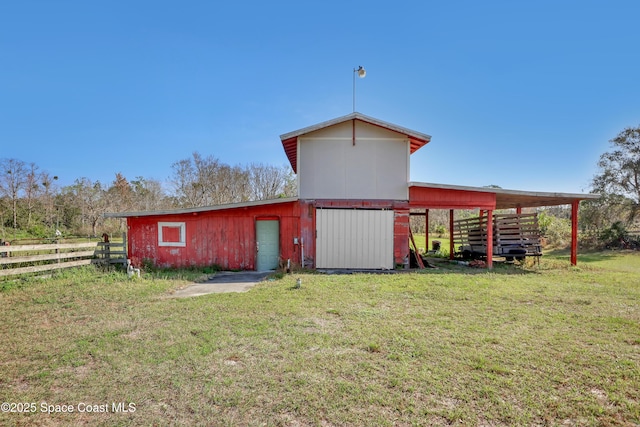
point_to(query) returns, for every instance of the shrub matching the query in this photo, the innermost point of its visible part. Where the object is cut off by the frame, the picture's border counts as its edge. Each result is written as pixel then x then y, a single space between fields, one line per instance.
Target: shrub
pixel 39 231
pixel 614 233
pixel 557 231
pixel 440 230
pixel 617 236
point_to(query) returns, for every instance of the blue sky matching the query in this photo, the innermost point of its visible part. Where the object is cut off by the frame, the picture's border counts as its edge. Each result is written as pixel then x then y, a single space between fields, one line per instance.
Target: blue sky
pixel 524 95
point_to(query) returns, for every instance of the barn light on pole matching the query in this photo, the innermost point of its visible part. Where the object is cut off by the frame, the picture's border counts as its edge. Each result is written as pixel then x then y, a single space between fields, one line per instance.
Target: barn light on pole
pixel 361 73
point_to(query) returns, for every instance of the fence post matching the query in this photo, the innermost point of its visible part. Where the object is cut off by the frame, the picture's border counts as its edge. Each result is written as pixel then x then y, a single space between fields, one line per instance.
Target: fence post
pixel 124 245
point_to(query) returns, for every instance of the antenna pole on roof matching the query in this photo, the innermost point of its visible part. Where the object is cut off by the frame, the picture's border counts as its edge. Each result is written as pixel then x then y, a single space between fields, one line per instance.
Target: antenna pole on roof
pixel 361 73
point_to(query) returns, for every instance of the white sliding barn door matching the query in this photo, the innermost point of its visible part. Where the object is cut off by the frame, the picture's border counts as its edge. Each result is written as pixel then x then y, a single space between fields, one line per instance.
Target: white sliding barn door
pixel 354 238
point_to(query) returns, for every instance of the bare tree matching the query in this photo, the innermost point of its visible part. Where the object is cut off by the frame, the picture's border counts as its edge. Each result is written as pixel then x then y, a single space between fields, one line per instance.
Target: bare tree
pixel 90 198
pixel 49 190
pixel 13 178
pixel 204 181
pixel 149 195
pixel 31 190
pixel 269 182
pixel 187 188
pixel 230 184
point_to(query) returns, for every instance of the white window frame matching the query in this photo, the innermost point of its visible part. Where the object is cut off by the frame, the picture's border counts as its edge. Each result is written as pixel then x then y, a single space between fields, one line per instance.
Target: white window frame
pixel 183 234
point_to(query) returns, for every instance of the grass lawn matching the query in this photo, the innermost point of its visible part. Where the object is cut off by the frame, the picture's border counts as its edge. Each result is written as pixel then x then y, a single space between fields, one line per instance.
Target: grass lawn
pixel 539 345
pixel 420 242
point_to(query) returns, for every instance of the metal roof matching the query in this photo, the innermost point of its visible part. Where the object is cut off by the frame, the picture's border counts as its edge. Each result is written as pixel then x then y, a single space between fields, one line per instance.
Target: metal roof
pixel 200 209
pixel 507 199
pixel 290 140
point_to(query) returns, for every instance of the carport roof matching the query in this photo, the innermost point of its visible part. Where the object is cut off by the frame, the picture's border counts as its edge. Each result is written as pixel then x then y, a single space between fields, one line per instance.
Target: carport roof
pixel 290 140
pixel 504 199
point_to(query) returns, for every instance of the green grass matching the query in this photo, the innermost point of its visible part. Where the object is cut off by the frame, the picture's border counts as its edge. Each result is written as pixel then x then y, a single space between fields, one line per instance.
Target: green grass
pixel 538 345
pixel 421 243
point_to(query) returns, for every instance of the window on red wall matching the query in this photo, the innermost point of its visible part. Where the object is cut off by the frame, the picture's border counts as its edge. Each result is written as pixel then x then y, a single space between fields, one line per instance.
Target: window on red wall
pixel 172 234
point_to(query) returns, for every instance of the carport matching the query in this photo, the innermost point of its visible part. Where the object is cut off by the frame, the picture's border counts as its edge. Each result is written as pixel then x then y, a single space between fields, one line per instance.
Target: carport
pixel 442 196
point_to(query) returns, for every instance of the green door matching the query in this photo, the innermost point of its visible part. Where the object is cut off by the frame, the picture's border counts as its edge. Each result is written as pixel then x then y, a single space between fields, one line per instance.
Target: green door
pixel 267 244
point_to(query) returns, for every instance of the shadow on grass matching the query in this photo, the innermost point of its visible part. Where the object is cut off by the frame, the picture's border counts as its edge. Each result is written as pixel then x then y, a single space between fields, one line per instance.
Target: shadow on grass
pixel 445 266
pixel 586 256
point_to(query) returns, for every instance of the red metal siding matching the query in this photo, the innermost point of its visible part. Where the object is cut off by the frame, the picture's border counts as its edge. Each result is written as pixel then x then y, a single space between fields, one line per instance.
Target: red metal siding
pixel 308 232
pixel 439 198
pixel 224 237
pixel 400 234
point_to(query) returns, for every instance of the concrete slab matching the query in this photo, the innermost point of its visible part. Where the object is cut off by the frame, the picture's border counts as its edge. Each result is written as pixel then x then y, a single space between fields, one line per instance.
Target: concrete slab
pixel 223 281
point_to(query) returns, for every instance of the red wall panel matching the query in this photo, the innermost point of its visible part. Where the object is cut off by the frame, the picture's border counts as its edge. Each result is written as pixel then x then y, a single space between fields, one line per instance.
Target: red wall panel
pixel 400 234
pixel 224 237
pixel 441 198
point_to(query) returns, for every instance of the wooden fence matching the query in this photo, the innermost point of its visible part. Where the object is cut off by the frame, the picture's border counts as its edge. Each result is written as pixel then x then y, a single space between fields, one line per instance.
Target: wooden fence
pixel 23 259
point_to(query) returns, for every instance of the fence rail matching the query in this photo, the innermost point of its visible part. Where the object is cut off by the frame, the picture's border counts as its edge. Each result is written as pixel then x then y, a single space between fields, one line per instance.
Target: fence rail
pixel 24 259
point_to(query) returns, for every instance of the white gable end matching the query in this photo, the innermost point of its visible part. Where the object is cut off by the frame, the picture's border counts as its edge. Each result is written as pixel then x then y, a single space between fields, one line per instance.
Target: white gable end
pixel 353 160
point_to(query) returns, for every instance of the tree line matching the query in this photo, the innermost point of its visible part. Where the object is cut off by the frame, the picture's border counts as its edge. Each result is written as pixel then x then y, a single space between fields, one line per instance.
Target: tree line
pixel 33 204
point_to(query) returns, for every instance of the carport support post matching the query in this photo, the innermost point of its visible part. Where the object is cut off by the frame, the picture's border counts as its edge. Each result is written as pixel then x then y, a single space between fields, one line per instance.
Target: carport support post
pixel 574 231
pixel 451 234
pixel 489 238
pixel 426 230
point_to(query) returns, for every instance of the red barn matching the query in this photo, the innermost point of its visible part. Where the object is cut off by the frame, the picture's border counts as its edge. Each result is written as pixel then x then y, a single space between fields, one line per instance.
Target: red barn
pixel 352 209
